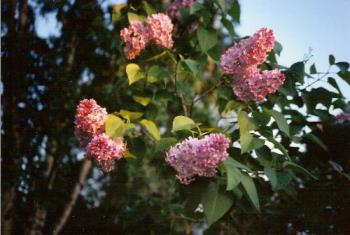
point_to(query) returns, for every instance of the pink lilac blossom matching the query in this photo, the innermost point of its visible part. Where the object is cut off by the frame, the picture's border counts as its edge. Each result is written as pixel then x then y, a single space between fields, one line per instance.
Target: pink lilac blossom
pixel 136 37
pixel 198 157
pixel 241 63
pixel 173 11
pixel 90 117
pixel 342 118
pixel 104 151
pixel 160 28
pixel 248 52
pixel 253 85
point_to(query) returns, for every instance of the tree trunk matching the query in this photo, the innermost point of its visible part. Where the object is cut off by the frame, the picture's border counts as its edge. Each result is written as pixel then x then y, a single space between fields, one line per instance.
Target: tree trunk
pixel 7 212
pixel 39 219
pixel 12 136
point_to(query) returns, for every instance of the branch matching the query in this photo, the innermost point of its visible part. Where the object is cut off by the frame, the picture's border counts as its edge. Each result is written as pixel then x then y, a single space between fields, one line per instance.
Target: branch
pixel 198 98
pixel 179 94
pixel 318 79
pixel 73 198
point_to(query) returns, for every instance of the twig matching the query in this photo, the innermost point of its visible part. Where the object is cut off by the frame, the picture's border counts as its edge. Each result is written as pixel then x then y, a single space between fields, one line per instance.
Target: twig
pixel 179 94
pixel 205 93
pixel 182 216
pixel 73 198
pixel 318 79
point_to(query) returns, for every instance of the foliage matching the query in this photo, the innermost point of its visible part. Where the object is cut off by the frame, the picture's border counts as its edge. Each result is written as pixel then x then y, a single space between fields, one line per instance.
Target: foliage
pixel 288 168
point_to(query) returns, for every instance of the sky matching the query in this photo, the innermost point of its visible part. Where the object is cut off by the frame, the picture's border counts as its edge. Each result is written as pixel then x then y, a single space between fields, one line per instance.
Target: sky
pixel 299 25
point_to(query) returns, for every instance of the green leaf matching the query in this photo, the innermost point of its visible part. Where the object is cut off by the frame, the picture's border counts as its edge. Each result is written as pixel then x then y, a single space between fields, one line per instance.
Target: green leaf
pixel 298 71
pixel 114 126
pixel 235 11
pixel 134 73
pixel 234 105
pixel 151 128
pixel 156 73
pixel 343 66
pixel 279 146
pixel 215 54
pixel 165 143
pixel 278 179
pixel 316 96
pixel 280 120
pixel 278 48
pixel 142 100
pixel 130 115
pixel 128 154
pixel 250 188
pixel 235 163
pixel 331 59
pixel 225 5
pixel 195 7
pixel 233 174
pixel 345 76
pixel 116 13
pixel 128 127
pixel 147 7
pixel 228 25
pixel 183 123
pixel 334 83
pixel 246 124
pixel 316 140
pixel 135 17
pixel 313 69
pixel 207 38
pixel 292 165
pixel 215 203
pixel 192 66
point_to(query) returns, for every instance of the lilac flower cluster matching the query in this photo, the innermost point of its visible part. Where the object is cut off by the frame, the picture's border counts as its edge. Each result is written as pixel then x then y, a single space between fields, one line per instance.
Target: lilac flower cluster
pixel 241 62
pixel 89 130
pixel 342 118
pixel 198 157
pixel 158 30
pixel 173 11
pixel 136 38
pixel 104 151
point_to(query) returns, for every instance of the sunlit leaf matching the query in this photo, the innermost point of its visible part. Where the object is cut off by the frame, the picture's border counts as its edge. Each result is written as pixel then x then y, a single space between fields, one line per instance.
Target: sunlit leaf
pixel 135 17
pixel 114 126
pixel 130 115
pixel 183 123
pixel 147 7
pixel 134 73
pixel 128 154
pixel 116 14
pixel 151 128
pixel 142 100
